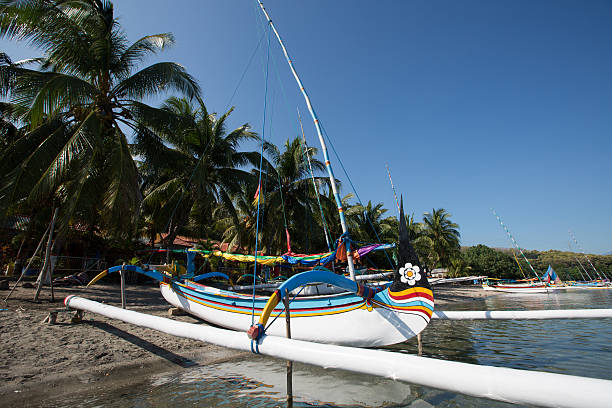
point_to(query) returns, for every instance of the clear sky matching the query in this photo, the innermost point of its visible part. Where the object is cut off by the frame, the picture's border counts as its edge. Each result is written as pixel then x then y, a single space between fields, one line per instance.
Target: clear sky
pixel 473 104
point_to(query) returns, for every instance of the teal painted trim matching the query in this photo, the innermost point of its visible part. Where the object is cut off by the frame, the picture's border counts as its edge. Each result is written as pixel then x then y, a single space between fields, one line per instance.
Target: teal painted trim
pixel 317 275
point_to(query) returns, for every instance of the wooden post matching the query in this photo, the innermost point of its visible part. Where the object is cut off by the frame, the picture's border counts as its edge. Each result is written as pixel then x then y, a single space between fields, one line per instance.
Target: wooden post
pixel 289 362
pixel 122 273
pixel 43 271
pixel 42 239
pixel 420 344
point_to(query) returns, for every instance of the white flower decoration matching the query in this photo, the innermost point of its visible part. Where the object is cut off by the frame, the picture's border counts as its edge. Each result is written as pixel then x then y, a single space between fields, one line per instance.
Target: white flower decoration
pixel 410 274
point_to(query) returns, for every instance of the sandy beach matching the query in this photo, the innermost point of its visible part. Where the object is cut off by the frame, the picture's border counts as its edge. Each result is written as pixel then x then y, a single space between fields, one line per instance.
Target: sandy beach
pixel 40 360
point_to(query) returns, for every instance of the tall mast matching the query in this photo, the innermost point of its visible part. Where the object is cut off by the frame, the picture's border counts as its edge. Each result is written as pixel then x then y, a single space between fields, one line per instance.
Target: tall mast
pixel 349 254
pixel 515 244
pixel 392 187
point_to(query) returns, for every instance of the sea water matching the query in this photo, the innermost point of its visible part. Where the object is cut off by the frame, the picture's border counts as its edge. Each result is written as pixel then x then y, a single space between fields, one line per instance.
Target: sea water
pixel 577 347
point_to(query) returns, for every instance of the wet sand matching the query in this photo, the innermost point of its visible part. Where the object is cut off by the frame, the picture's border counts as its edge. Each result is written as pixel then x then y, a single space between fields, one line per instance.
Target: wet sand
pixel 39 360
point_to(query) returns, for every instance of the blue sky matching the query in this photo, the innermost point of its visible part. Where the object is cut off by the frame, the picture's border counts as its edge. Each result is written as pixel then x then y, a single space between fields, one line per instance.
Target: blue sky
pixel 473 104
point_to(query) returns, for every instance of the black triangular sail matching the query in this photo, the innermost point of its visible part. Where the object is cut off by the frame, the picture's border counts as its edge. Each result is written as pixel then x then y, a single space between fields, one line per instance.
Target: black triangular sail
pixel 409 265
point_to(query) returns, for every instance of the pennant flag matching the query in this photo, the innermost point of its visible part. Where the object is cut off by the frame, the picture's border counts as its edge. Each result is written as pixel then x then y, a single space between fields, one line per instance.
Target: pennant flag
pixel 256 197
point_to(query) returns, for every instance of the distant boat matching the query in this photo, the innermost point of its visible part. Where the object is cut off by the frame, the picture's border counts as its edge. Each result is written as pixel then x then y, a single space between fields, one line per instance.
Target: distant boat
pixel 517 286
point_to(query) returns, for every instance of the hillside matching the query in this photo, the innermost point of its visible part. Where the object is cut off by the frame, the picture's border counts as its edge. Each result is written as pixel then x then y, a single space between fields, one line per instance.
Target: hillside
pixel 499 262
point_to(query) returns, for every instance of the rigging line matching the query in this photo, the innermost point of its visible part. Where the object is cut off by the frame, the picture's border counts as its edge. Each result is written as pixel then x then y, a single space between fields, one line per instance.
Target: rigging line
pixel 569 245
pixel 280 186
pixel 518 263
pixel 283 309
pixel 260 20
pixel 260 197
pixel 244 72
pixel 275 70
pixel 583 268
pixel 343 223
pixel 355 191
pixel 580 272
pixel 585 255
pixel 515 244
pixel 314 184
pixel 286 99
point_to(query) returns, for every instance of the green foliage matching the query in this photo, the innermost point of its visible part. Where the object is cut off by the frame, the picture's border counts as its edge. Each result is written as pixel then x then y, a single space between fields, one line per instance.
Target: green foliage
pixel 441 238
pixel 134 261
pixel 72 152
pixel 500 263
pixel 487 261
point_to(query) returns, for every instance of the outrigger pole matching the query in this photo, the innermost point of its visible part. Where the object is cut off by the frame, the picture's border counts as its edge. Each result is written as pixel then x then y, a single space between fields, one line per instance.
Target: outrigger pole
pixel 349 254
pixel 496 383
pixel 515 243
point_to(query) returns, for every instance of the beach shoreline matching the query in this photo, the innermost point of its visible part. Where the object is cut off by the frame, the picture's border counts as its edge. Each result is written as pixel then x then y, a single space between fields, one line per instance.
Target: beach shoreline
pixel 42 361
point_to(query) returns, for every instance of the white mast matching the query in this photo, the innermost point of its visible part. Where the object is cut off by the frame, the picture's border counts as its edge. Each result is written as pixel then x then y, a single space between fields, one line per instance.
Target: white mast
pixel 349 254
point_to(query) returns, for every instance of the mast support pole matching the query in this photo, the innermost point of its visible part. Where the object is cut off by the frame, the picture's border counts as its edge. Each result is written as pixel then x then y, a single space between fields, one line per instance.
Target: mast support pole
pixel 349 254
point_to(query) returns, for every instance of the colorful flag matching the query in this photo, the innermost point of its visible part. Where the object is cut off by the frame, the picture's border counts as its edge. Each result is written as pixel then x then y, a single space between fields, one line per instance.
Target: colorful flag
pixel 256 197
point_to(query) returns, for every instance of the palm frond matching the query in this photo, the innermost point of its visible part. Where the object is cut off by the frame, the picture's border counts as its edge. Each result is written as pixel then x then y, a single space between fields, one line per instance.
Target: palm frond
pixel 145 46
pixel 157 78
pixel 122 197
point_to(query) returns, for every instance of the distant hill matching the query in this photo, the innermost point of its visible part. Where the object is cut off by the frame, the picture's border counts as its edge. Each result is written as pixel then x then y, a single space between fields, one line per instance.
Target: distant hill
pixel 564 262
pixel 608 253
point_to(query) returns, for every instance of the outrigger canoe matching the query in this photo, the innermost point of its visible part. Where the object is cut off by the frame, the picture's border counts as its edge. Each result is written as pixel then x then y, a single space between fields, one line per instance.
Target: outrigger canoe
pixel 361 316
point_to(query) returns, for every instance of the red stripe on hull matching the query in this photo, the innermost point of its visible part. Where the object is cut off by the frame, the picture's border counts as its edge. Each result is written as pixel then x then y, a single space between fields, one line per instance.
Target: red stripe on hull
pixel 411 295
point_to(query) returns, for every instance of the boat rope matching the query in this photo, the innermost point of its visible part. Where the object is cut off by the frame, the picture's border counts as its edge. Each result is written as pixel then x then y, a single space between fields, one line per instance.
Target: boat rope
pixel 283 309
pixel 518 263
pixel 260 197
pixel 280 190
pixel 287 103
pixel 585 271
pixel 393 187
pixel 579 272
pixel 245 71
pixel 515 244
pixel 355 191
pixel 314 184
pixel 585 255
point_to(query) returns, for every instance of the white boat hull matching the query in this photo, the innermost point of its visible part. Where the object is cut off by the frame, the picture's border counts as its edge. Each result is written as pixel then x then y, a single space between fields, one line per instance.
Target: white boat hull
pixel 518 288
pixel 363 326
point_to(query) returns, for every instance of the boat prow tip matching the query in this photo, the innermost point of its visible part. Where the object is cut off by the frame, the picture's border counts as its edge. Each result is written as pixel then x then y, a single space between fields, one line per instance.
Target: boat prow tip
pixel 97 278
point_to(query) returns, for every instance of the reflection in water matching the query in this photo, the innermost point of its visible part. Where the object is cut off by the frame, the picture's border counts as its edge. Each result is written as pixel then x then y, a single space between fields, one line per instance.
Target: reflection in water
pixel 578 347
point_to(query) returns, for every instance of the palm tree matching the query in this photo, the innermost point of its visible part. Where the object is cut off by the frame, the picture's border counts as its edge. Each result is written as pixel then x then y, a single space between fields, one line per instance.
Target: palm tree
pixel 368 224
pixel 86 87
pixel 290 200
pixel 240 231
pixel 442 235
pixel 458 267
pixel 191 165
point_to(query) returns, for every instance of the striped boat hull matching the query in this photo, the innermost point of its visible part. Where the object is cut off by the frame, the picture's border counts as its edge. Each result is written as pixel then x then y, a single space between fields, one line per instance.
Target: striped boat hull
pixel 343 319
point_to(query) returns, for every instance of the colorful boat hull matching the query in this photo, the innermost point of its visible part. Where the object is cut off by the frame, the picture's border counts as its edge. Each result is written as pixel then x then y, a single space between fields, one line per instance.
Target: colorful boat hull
pixel 518 287
pixel 343 319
